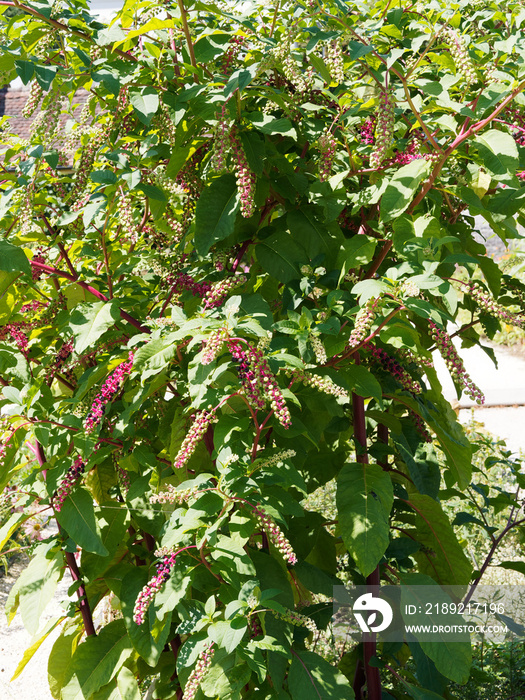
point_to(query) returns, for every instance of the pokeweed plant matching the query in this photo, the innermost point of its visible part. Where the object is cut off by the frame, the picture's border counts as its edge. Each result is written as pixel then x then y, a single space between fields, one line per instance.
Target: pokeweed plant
pixel 229 300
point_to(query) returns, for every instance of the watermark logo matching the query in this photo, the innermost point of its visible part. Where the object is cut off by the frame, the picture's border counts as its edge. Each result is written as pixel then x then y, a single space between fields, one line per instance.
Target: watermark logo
pixel 368 602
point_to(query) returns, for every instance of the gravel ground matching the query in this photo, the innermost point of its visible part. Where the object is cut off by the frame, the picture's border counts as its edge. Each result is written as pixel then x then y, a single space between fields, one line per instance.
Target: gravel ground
pixel 14 640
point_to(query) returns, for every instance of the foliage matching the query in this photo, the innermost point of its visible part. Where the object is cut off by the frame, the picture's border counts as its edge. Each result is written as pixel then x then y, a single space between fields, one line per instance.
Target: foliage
pixel 230 300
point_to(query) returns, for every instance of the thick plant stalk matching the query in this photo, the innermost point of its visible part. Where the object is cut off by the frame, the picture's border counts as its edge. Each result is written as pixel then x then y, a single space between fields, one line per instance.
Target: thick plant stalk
pixel 373 679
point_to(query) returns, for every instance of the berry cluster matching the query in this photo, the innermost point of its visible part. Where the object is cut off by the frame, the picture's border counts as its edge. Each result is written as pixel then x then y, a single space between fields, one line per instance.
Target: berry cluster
pixel 201 421
pixel 60 359
pixel 217 294
pixel 182 281
pixel 46 123
pixel 229 56
pixel 221 143
pixel 334 62
pixel 295 618
pixel 125 215
pixel 420 426
pixel 198 673
pixel 324 384
pixel 36 93
pixel 245 176
pixel 488 304
pixel 367 131
pixel 327 146
pixel 213 346
pixel 72 476
pixel 259 384
pixel 364 320
pixel 269 462
pixel 392 366
pixel 318 348
pixel 454 363
pixel 174 495
pixel 17 335
pixel 109 390
pixel 154 585
pixel 458 51
pixel 384 132
pixel 275 534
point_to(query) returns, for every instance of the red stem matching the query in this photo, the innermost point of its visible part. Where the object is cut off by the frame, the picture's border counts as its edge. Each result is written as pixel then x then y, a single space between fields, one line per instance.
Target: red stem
pixel 60 273
pixel 373 679
pixel 85 610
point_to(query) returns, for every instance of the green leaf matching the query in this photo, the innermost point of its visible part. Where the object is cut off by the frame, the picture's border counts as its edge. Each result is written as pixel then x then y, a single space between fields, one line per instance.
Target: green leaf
pixel 61 655
pixel 25 70
pixel 154 356
pixel 123 687
pixel 89 321
pixel 364 500
pixel 77 517
pixel 402 188
pixel 441 557
pixel 313 678
pixel 450 651
pixel 513 566
pixel 37 586
pixel 316 237
pixel 228 634
pixel 500 154
pixel 355 252
pixel 269 125
pixel 145 102
pixel 104 177
pixel 363 382
pixel 96 661
pixel 420 693
pixel 13 259
pixel 216 212
pixel 281 256
pixel 45 75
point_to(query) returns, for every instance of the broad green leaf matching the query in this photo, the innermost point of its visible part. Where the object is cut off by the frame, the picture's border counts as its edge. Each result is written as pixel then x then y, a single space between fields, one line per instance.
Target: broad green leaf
pixel 362 382
pixel 12 258
pixel 499 152
pixel 313 678
pixel 216 212
pixel 450 652
pixel 89 321
pixel 10 525
pixel 354 253
pixel 37 587
pixel 155 355
pixel 145 103
pixel 316 237
pixel 228 634
pixel 281 256
pixel 96 661
pixel 402 187
pixel 439 416
pixel 78 518
pixel 364 500
pixel 513 566
pixel 123 687
pixel 61 655
pixel 441 556
pixel 270 125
